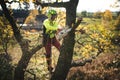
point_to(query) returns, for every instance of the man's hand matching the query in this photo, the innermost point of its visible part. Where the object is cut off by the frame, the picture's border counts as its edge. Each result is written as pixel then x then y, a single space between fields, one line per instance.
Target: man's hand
pixel 59 29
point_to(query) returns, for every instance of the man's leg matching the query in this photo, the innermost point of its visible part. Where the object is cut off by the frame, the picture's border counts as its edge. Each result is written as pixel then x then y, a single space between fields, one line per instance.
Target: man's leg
pixel 56 43
pixel 48 55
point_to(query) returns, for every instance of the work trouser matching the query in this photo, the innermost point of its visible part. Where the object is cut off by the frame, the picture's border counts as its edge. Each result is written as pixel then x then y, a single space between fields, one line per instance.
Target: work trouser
pixel 48 48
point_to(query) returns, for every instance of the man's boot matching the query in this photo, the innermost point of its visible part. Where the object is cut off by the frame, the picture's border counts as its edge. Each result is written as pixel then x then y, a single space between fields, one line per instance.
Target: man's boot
pixel 49 62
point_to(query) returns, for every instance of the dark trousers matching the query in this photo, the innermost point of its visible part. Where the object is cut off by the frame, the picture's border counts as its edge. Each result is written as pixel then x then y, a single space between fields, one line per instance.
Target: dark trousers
pixel 48 43
pixel 48 46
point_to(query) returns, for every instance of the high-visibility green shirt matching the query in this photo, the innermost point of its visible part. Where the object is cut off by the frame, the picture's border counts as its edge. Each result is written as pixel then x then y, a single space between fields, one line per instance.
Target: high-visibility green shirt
pixel 51 28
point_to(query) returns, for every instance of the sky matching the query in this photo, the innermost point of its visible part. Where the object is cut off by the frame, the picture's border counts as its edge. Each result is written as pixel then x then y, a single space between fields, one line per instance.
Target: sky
pixel 96 5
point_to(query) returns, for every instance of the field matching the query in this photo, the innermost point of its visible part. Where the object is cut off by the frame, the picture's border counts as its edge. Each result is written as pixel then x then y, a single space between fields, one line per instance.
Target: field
pixel 95 39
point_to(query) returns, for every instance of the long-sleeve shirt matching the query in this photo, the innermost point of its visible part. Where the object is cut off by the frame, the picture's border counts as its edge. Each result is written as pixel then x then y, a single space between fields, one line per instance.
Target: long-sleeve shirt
pixel 51 27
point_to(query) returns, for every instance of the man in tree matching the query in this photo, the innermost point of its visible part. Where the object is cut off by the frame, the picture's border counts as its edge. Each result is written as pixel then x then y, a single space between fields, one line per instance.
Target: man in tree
pixel 50 27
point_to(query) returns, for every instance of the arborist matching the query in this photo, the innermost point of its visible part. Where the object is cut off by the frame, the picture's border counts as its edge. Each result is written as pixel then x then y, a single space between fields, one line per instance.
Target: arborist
pixel 50 27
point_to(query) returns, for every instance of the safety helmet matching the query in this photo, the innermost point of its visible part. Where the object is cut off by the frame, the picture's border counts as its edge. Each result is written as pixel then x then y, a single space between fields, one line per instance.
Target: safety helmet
pixel 51 12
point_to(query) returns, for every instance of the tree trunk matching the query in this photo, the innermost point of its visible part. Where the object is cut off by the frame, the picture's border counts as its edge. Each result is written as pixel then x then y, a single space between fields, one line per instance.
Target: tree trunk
pixel 66 52
pixel 22 65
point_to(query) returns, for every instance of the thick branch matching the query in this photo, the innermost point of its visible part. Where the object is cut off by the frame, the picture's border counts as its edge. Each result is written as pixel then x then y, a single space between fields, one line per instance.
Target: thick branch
pixel 77 23
pixel 77 63
pixel 10 2
pixel 55 4
pixel 35 49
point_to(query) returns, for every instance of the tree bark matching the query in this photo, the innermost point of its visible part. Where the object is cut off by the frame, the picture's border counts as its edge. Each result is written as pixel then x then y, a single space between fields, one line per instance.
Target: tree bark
pixel 22 65
pixel 66 52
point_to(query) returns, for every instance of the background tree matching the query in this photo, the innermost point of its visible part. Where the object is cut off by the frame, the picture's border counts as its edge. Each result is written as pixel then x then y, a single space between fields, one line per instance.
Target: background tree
pixel 97 14
pixel 84 13
pixel 107 16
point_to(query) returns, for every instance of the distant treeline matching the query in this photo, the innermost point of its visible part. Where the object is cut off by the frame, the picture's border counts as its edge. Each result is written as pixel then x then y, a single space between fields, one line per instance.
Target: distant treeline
pixel 96 14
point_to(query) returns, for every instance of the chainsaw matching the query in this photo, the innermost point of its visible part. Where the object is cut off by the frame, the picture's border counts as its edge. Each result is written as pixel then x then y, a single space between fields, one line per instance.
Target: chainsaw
pixel 63 33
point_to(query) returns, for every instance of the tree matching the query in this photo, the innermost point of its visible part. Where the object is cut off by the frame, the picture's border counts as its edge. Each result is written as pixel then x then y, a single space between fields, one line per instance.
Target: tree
pixel 67 47
pixel 107 16
pixel 66 52
pixel 84 13
pixel 97 14
pixel 26 52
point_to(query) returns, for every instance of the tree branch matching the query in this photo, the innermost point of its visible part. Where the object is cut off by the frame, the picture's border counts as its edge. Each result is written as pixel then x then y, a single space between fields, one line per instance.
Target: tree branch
pixel 77 24
pixel 10 2
pixel 35 49
pixel 77 63
pixel 55 4
pixel 34 75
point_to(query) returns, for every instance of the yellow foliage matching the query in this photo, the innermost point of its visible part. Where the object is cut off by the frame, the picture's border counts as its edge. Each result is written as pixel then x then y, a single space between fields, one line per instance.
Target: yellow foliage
pixel 34 12
pixel 61 18
pixel 31 17
pixel 107 15
pixel 85 55
pixel 44 10
pixel 21 0
pixel 95 35
pixel 5 29
pixel 87 51
pixel 33 0
pixel 96 38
